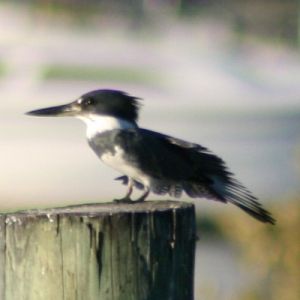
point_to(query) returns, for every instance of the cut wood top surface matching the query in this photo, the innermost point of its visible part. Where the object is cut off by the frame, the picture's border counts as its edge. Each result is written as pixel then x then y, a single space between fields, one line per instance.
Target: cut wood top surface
pixel 104 208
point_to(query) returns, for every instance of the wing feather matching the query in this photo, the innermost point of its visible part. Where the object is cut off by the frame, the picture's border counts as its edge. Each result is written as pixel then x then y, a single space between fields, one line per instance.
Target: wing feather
pixel 177 165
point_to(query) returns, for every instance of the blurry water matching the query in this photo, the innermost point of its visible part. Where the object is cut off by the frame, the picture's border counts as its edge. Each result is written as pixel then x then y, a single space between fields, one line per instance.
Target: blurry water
pixel 218 275
pixel 261 148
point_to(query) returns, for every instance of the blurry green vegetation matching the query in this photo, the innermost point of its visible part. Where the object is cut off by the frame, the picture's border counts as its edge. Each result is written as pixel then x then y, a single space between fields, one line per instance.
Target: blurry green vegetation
pixel 273 250
pixel 63 7
pixel 117 74
pixel 84 12
pixel 274 20
pixel 2 69
pixel 209 228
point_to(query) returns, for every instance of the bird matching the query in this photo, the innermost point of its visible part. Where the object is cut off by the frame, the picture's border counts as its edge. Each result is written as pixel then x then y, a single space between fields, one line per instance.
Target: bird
pixel 151 161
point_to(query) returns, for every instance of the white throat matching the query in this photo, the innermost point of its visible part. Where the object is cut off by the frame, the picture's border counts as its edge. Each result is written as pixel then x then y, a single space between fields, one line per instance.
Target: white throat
pixel 97 124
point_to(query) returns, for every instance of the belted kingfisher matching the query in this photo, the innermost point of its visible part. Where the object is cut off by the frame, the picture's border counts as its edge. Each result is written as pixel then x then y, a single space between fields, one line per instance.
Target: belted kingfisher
pixel 151 161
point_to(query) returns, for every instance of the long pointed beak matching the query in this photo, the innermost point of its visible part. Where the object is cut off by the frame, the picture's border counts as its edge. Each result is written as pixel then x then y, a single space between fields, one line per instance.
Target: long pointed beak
pixel 55 111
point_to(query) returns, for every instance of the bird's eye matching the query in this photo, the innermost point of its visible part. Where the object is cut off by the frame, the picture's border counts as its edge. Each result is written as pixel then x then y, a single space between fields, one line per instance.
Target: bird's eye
pixel 88 101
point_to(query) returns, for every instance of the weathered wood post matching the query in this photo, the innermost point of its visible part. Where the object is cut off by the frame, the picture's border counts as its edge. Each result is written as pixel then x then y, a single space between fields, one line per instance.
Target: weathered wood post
pixel 103 251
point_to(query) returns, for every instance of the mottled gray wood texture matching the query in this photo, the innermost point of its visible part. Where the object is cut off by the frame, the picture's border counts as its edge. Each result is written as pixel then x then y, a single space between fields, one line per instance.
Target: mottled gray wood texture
pixel 101 251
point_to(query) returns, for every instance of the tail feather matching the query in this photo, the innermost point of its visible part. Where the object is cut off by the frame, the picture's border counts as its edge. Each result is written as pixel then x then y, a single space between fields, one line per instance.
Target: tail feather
pixel 234 192
pixel 258 213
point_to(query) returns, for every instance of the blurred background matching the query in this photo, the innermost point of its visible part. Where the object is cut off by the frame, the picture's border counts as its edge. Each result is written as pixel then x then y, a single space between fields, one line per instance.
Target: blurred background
pixel 222 73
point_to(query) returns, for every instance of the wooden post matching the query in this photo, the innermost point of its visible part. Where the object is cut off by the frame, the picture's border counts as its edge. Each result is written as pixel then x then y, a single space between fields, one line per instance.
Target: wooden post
pixel 99 251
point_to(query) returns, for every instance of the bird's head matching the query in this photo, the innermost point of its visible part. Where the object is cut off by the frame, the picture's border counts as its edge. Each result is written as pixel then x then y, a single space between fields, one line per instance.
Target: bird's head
pixel 112 103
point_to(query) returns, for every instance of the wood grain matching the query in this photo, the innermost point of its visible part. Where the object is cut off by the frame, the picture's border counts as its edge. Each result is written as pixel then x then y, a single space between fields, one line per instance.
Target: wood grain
pixel 102 251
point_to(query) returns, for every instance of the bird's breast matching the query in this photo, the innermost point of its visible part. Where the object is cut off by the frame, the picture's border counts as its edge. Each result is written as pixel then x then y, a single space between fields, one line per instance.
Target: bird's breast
pixel 120 161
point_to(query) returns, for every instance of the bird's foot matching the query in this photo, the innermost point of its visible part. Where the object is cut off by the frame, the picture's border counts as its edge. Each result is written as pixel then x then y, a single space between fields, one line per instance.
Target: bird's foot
pixel 124 200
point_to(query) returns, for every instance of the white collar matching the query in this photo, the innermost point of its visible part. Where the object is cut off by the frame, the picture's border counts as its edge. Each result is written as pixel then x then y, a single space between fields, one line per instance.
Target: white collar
pixel 97 124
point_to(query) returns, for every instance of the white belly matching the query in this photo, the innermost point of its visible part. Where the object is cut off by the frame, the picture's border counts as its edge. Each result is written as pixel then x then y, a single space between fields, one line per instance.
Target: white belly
pixel 116 161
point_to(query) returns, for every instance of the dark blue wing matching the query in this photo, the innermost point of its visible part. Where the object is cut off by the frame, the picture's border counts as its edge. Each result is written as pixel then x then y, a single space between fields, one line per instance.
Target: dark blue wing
pixel 177 165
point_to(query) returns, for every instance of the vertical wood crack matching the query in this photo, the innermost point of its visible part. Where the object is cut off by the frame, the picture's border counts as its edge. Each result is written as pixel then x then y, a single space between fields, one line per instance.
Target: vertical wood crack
pixel 61 255
pixel 111 256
